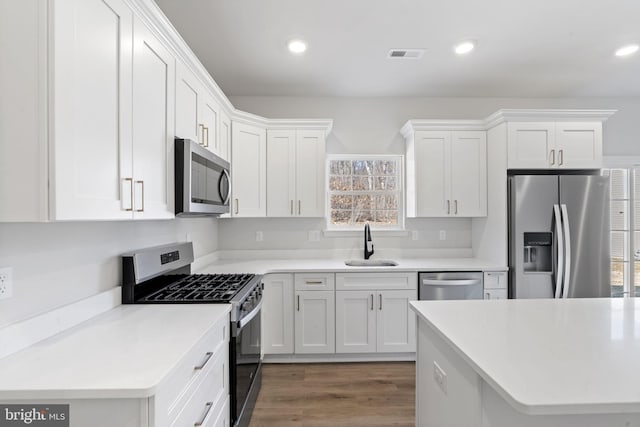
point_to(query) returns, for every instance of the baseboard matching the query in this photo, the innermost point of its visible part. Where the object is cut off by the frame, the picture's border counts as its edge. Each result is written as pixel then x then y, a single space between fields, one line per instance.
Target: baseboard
pixel 339 358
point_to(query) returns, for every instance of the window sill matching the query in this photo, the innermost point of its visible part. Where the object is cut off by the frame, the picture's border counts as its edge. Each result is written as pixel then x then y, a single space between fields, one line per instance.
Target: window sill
pixel 358 233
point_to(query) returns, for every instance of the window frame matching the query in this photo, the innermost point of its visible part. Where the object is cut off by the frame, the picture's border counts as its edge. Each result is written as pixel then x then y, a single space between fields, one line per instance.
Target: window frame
pixel 399 158
pixel 631 164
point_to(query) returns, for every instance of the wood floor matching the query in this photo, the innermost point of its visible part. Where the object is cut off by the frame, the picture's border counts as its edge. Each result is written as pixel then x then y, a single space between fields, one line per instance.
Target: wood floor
pixel 336 394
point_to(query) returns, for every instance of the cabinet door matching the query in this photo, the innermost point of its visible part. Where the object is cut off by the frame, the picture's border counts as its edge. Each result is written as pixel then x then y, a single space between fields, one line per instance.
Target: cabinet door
pixel 281 178
pixel 210 111
pixel 187 102
pixel 396 322
pixel 92 110
pixel 225 136
pixel 579 145
pixel 432 170
pixel 315 322
pixel 469 173
pixel 355 322
pixel 310 173
pixel 248 170
pixel 530 145
pixel 277 314
pixel 153 125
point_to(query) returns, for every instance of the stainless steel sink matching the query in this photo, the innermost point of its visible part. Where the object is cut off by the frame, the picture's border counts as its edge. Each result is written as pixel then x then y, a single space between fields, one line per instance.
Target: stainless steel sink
pixel 370 263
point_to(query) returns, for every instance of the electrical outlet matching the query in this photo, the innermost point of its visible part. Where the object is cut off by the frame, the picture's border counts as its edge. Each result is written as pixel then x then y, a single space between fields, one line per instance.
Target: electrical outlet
pixel 440 376
pixel 6 282
pixel 259 236
pixel 314 235
pixel 414 235
pixel 443 234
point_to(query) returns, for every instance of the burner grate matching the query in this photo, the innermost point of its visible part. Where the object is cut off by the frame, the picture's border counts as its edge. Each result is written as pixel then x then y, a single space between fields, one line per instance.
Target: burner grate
pixel 202 287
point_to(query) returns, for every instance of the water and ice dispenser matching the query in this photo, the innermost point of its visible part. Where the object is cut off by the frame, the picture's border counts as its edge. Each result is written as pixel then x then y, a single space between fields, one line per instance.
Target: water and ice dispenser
pixel 538 252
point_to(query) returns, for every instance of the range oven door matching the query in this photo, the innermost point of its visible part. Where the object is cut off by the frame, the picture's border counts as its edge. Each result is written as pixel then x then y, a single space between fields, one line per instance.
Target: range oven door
pixel 245 368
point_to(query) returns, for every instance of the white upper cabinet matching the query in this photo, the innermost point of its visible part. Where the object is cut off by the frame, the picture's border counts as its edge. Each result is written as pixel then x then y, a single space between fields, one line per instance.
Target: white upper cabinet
pixel 554 145
pixel 248 171
pixel 91 143
pixel 295 173
pixel 198 113
pixel 225 136
pixel 446 172
pixel 153 126
pixel 553 139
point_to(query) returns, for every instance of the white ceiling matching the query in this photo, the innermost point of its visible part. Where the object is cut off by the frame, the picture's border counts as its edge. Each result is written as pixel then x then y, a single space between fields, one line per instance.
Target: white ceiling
pixel 525 48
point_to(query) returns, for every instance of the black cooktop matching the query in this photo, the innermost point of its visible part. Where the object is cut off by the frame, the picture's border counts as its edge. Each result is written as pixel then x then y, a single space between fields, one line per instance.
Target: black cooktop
pixel 200 288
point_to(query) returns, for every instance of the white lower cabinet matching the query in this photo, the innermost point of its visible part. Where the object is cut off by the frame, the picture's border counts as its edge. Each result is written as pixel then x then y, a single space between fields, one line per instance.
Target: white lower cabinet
pixel 277 314
pixel 315 322
pixel 495 285
pixel 375 321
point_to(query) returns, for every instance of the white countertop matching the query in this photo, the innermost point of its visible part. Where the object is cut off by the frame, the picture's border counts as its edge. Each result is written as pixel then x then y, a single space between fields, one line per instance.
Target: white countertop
pixel 548 356
pixel 263 266
pixel 125 352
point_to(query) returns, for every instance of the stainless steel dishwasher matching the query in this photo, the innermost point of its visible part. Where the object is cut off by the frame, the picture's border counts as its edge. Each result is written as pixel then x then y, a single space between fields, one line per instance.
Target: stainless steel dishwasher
pixel 447 285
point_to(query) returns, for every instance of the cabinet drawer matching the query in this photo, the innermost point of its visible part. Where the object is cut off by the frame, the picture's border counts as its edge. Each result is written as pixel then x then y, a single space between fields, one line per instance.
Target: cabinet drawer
pixel 495 280
pixel 354 281
pixel 314 281
pixel 209 399
pixel 176 390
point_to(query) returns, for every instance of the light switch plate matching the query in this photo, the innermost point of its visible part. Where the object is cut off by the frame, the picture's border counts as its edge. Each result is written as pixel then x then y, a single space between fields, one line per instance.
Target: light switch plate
pixel 440 376
pixel 443 234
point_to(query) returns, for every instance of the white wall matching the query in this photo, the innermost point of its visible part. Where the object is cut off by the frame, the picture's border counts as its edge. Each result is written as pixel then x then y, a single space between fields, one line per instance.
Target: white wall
pixel 372 125
pixel 55 264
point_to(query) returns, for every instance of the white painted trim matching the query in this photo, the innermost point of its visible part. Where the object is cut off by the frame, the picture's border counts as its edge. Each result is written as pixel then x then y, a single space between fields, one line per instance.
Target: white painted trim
pixel 339 358
pixel 414 125
pixel 620 161
pixel 541 115
pixel 26 333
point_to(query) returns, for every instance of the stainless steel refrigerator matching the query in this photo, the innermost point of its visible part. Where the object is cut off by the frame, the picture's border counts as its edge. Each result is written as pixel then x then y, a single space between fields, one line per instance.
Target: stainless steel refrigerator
pixel 559 236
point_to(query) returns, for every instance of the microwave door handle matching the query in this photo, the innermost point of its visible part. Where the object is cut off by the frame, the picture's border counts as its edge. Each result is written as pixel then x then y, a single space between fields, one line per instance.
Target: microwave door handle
pixel 226 197
pixel 560 250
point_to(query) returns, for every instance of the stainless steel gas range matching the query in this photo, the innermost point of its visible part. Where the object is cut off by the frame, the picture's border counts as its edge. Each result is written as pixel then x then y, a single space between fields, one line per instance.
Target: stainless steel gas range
pixel 162 275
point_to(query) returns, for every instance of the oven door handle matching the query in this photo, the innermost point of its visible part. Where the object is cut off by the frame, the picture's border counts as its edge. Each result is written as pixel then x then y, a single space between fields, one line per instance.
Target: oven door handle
pixel 246 319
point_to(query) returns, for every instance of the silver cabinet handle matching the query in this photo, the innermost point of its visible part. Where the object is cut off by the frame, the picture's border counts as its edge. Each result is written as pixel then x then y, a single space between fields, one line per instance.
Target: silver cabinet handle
pixel 455 203
pixel 448 207
pixel 142 186
pixel 380 301
pixel 201 126
pixel 487 295
pixel 292 207
pixel 553 157
pixel 299 207
pixel 237 206
pixel 561 157
pixel 208 407
pixel 130 187
pixel 451 282
pixel 298 302
pixel 371 302
pixel 204 363
pixel 313 282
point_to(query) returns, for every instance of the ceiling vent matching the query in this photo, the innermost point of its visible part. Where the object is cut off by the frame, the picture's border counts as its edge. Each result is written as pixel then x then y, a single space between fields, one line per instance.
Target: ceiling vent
pixel 405 53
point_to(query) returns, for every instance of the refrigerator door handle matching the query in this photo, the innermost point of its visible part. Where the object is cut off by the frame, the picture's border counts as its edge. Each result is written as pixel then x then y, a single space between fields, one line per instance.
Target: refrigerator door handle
pixel 567 248
pixel 560 255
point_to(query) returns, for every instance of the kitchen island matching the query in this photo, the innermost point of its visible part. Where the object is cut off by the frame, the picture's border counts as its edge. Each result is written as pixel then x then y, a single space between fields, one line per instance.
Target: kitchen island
pixel 528 363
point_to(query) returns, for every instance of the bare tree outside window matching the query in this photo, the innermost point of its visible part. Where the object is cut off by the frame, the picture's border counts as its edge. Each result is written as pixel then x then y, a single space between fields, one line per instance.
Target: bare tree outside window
pixel 365 189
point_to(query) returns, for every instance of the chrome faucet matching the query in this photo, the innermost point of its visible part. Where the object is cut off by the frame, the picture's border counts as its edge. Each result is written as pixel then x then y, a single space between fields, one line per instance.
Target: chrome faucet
pixel 367 242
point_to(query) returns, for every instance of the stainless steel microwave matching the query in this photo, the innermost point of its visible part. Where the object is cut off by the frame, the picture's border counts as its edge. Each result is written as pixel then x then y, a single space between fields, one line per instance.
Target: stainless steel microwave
pixel 203 183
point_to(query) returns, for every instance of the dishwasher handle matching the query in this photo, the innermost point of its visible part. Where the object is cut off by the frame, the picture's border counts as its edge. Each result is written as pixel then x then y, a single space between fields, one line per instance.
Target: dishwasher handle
pixel 451 282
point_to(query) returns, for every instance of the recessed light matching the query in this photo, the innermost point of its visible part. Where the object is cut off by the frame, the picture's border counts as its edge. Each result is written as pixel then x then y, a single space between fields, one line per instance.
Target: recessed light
pixel 464 47
pixel 297 46
pixel 627 50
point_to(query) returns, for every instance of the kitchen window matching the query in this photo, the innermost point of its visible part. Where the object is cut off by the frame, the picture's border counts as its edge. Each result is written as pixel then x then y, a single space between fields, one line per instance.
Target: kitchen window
pixel 365 189
pixel 625 230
